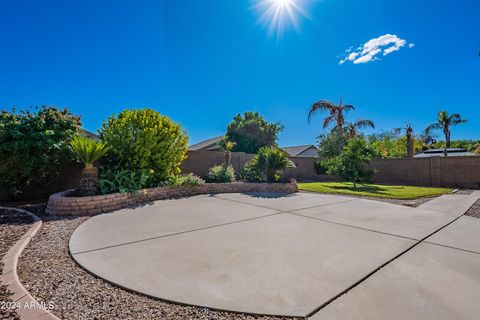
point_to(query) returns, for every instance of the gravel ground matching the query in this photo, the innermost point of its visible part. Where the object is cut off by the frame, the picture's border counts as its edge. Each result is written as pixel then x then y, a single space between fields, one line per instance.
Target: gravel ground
pixel 13 226
pixel 48 272
pixel 474 211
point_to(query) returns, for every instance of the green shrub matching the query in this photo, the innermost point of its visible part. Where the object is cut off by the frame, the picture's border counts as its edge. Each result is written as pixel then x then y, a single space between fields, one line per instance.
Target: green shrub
pixel 320 167
pixel 269 163
pixel 146 142
pixel 183 180
pixel 221 174
pixel 88 150
pixel 250 132
pixel 353 164
pixel 34 147
pixel 116 179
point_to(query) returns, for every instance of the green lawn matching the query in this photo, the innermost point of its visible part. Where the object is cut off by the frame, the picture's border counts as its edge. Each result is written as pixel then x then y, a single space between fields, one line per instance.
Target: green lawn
pixel 373 190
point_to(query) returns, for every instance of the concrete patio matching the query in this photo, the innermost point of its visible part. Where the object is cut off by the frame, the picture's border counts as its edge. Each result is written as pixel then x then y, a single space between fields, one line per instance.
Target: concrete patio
pixel 329 257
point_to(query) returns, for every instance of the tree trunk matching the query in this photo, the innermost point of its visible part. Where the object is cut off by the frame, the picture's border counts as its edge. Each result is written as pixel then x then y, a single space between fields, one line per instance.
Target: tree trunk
pixel 89 182
pixel 410 145
pixel 340 135
pixel 447 143
pixel 228 158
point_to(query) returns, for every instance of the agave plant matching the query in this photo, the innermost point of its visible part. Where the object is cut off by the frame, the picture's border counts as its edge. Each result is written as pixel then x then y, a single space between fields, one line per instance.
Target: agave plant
pixel 270 161
pixel 88 151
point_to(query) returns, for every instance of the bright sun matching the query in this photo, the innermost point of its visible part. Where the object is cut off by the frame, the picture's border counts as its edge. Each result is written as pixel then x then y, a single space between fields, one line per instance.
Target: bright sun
pixel 277 14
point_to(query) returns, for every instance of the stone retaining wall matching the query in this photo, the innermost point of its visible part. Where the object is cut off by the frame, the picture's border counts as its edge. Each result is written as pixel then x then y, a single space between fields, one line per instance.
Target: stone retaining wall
pixel 61 204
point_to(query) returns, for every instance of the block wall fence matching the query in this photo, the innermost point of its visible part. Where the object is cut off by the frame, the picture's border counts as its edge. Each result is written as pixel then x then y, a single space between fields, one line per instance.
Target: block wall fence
pixel 436 171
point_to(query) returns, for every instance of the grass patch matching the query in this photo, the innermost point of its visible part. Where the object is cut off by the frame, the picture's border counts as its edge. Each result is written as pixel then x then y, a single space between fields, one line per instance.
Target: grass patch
pixel 373 190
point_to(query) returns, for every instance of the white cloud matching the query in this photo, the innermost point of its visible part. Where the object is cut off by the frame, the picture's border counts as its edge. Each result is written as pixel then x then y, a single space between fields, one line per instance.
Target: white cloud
pixel 383 45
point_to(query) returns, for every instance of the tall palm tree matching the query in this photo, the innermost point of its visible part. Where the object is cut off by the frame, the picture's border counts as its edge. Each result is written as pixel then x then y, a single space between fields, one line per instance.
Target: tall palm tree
pixel 444 122
pixel 352 128
pixel 410 139
pixel 336 114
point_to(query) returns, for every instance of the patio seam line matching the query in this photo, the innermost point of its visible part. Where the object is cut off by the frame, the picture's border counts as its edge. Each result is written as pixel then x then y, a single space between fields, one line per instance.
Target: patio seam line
pixel 286 211
pixel 176 233
pixel 355 227
pixel 367 276
pixel 451 247
pixel 278 212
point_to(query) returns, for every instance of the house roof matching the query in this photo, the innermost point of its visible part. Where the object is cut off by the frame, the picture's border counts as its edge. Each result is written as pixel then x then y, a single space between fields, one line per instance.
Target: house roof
pixel 453 152
pixel 206 145
pixel 296 150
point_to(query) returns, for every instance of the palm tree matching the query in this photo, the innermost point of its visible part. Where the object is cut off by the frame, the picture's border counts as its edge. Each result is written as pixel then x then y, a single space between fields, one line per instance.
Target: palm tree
pixel 410 139
pixel 226 146
pixel 270 161
pixel 444 122
pixel 353 127
pixel 428 139
pixel 88 151
pixel 336 114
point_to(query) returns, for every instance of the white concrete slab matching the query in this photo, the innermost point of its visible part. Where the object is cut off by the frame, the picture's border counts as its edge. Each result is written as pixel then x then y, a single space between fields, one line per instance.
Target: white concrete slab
pixel 453 204
pixel 383 217
pixel 428 283
pixel 159 219
pixel 285 202
pixel 463 234
pixel 281 264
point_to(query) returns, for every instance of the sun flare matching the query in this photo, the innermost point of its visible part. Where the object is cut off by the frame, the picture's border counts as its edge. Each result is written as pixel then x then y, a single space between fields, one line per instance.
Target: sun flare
pixel 278 14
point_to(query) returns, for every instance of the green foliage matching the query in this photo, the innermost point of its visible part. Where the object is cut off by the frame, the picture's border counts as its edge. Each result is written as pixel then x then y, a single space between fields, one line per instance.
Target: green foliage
pixel 353 164
pixel 320 167
pixel 225 144
pixel 250 132
pixel 115 179
pixel 469 145
pixel 269 162
pixel 221 174
pixel 145 142
pixel 389 145
pixel 34 146
pixel 88 150
pixel 328 145
pixel 183 180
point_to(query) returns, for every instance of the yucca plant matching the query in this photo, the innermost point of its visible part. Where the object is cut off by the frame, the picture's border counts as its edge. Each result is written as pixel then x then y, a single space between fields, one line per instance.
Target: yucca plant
pixel 270 161
pixel 88 151
pixel 226 146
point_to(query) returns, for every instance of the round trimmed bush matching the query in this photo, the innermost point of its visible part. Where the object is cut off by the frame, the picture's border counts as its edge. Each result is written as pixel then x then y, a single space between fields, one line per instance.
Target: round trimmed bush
pixel 146 142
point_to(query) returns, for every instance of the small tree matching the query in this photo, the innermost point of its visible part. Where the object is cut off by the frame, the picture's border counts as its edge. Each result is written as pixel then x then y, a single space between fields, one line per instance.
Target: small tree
pixel 145 142
pixel 250 132
pixel 270 162
pixel 226 146
pixel 34 147
pixel 88 151
pixel 353 164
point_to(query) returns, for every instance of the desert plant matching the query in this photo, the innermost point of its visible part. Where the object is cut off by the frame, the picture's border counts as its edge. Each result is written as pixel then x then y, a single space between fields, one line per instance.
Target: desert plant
pixel 444 123
pixel 183 180
pixel 115 179
pixel 34 147
pixel 226 146
pixel 250 132
pixel 270 162
pixel 410 138
pixel 353 164
pixel 146 142
pixel 88 151
pixel 221 174
pixel 336 114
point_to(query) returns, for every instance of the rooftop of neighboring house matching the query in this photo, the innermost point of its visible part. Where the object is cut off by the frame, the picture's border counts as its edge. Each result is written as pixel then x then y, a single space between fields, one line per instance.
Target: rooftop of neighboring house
pixel 452 152
pixel 308 150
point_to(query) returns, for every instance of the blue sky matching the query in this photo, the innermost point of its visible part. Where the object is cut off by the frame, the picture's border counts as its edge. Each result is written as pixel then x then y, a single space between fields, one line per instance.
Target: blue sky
pixel 202 62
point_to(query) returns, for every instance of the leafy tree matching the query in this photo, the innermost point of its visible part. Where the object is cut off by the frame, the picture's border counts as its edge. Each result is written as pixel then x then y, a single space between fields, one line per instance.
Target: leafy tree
pixel 270 162
pixel 146 143
pixel 353 164
pixel 444 123
pixel 250 132
pixel 88 151
pixel 409 137
pixel 226 146
pixel 328 145
pixel 336 114
pixel 389 145
pixel 34 146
